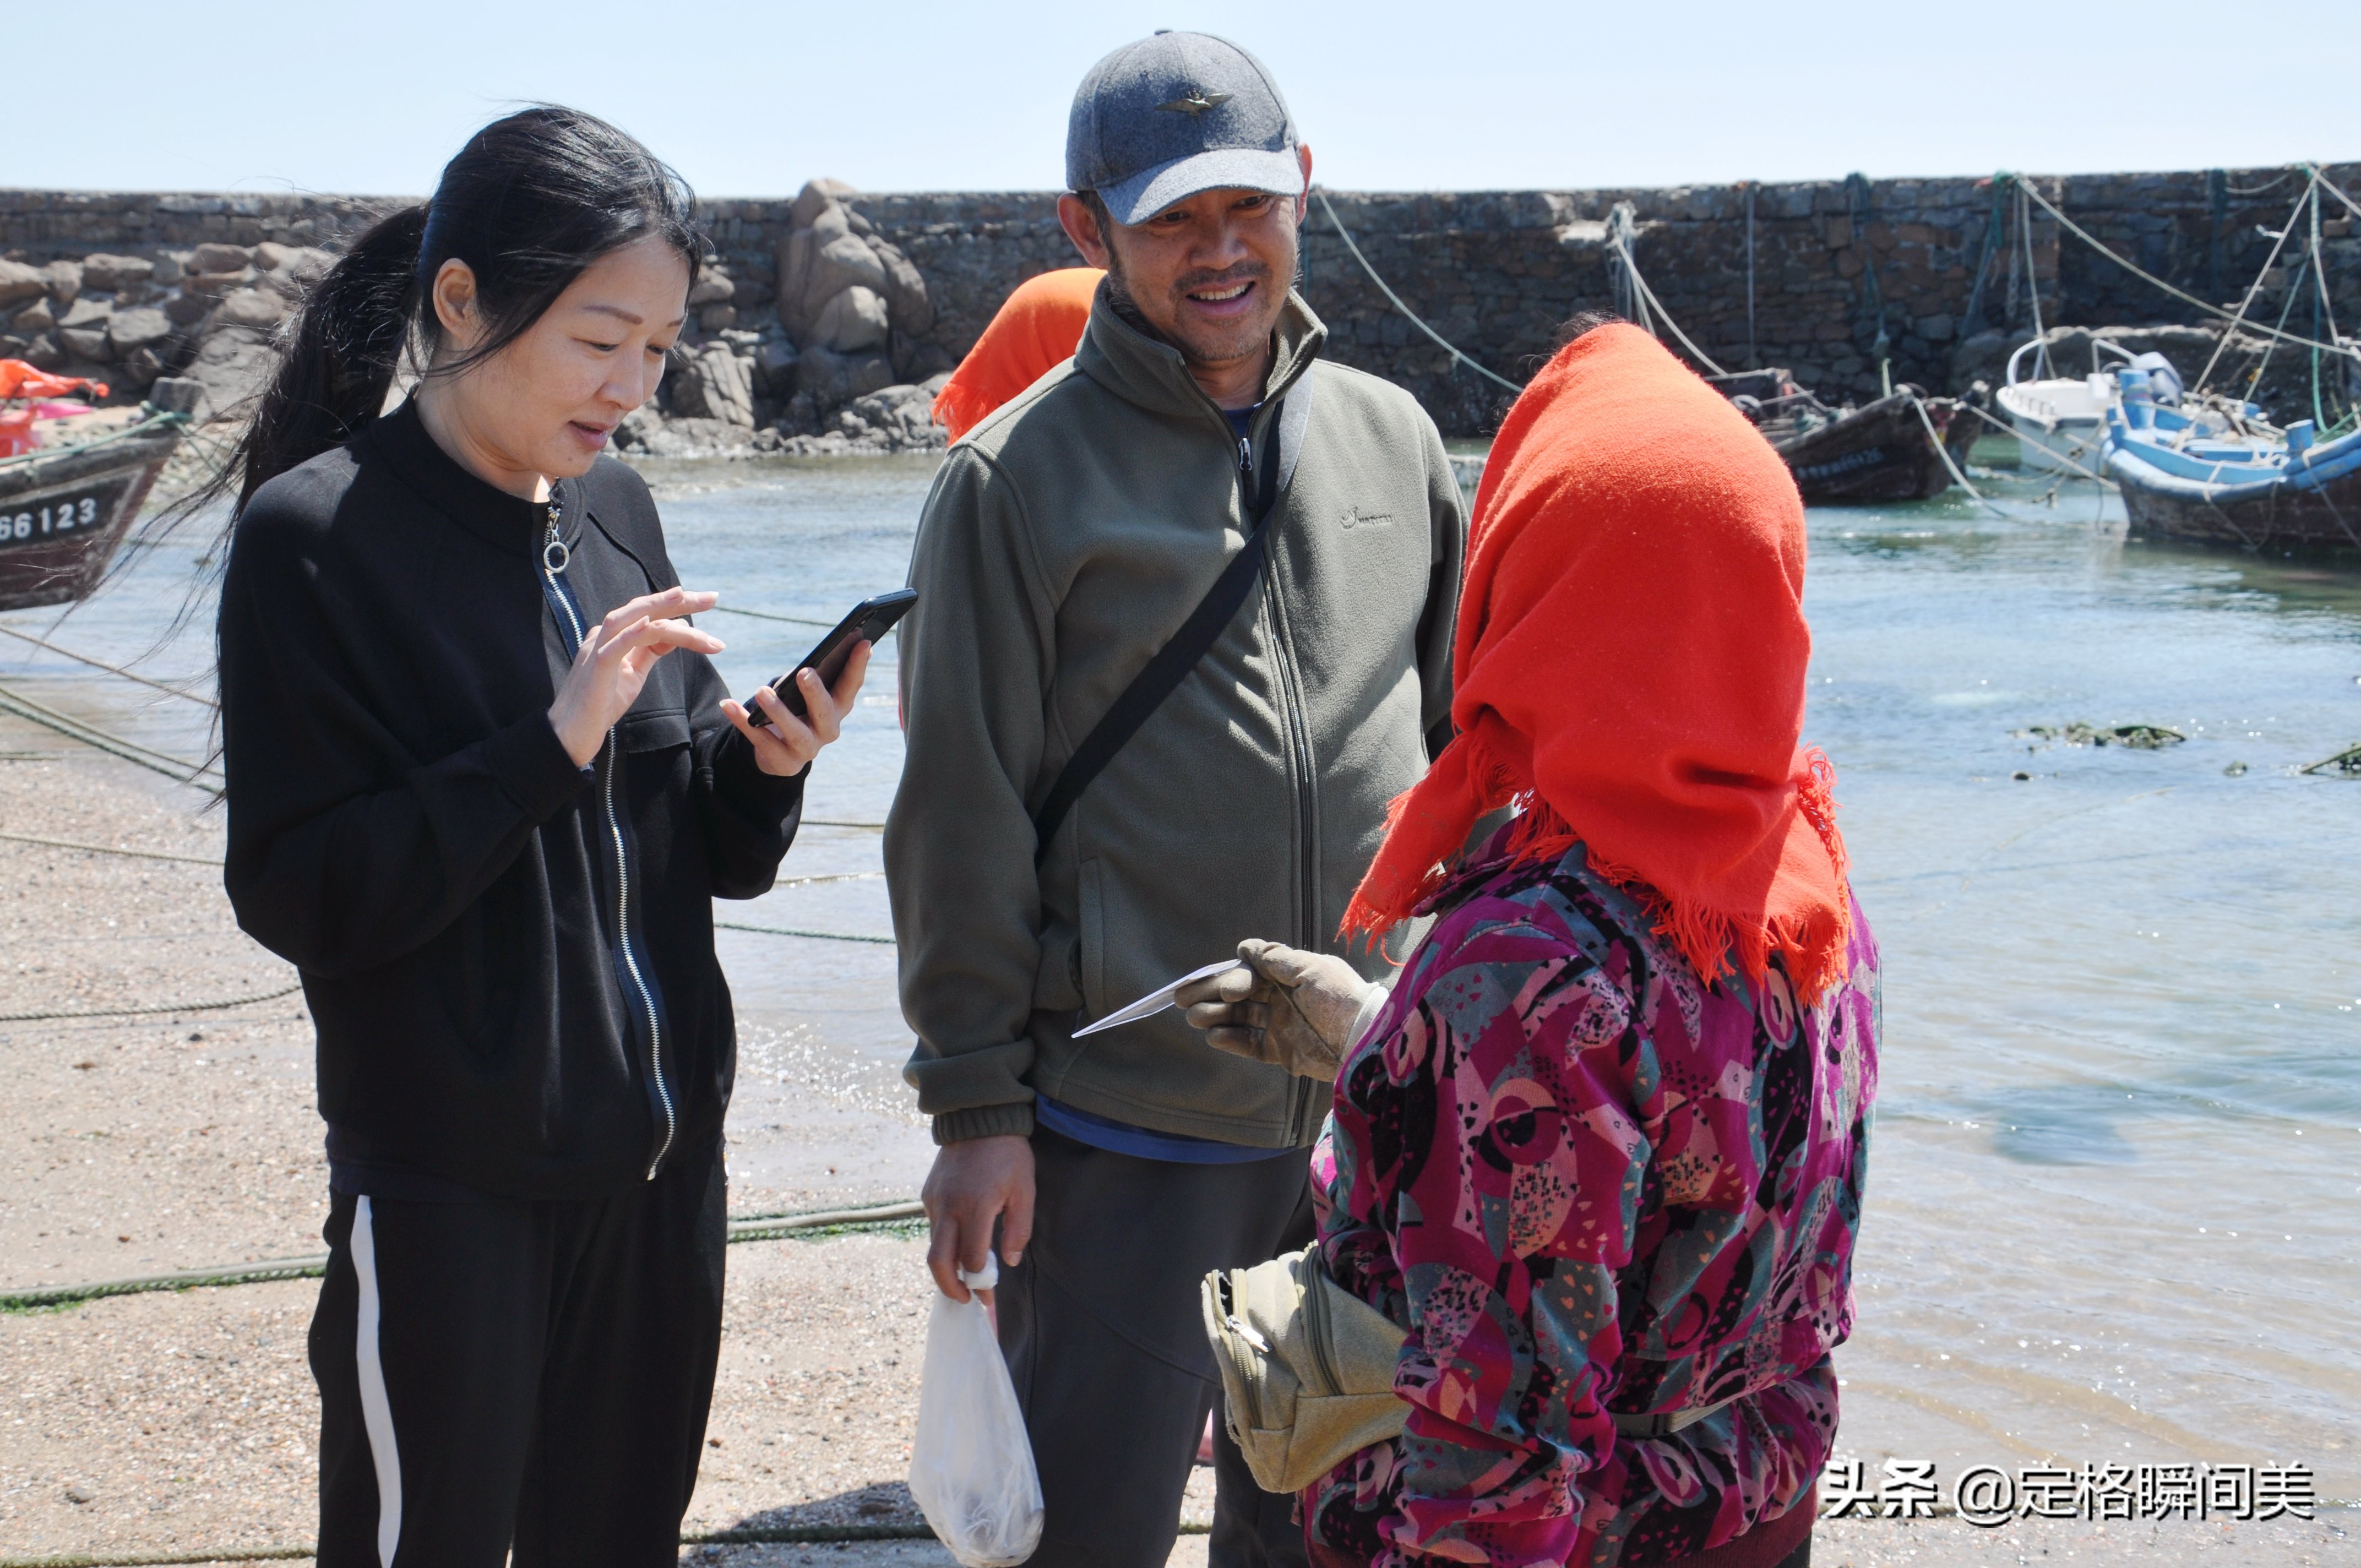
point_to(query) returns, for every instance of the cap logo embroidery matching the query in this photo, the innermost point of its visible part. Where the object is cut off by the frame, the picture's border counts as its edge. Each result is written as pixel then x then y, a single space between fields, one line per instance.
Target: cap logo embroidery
pixel 1195 104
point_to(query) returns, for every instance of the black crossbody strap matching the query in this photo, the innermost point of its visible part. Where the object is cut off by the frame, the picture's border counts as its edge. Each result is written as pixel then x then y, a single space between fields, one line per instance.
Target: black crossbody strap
pixel 1173 661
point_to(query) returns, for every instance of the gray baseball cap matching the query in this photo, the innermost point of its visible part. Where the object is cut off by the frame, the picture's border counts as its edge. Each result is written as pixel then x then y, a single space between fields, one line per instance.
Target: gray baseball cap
pixel 1159 120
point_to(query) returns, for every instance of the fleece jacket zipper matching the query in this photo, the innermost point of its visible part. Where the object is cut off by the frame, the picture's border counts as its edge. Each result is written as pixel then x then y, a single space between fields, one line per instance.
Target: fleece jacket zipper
pixel 1299 754
pixel 631 972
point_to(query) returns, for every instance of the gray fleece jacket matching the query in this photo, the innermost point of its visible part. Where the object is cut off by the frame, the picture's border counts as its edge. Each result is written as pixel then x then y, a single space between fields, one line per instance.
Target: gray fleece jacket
pixel 1066 539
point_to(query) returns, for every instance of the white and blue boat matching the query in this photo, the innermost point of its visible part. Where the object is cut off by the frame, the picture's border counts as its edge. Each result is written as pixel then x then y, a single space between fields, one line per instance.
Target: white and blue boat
pixel 2217 473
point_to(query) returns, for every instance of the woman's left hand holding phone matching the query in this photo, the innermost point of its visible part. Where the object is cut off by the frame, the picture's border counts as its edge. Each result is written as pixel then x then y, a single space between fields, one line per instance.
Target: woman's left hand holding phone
pixel 784 744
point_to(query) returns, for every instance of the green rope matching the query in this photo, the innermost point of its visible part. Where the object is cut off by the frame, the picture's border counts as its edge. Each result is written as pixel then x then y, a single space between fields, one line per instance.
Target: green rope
pixel 177 768
pixel 814 936
pixel 809 1225
pixel 112 850
pixel 740 1535
pixel 150 1012
pixel 165 687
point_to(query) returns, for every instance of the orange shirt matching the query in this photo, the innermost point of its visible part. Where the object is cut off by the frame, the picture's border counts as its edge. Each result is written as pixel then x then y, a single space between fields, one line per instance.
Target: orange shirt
pixel 1033 333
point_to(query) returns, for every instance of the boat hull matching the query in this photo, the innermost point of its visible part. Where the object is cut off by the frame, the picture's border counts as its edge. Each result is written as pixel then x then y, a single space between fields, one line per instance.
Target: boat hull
pixel 64 511
pixel 2280 515
pixel 1880 452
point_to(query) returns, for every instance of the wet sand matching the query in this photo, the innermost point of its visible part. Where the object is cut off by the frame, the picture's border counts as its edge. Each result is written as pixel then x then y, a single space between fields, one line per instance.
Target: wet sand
pixel 179 1422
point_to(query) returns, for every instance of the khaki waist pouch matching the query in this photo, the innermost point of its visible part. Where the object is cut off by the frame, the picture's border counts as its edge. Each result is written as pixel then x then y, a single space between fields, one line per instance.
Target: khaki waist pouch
pixel 1307 1369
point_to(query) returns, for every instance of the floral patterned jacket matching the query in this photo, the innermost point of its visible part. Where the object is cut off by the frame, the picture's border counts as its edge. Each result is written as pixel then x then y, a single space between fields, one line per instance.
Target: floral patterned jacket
pixel 1586 1182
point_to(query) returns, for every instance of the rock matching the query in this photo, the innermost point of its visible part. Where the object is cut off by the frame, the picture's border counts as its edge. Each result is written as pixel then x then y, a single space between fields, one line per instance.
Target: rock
pixel 293 271
pixel 844 262
pixel 711 289
pixel 65 279
pixel 815 195
pixel 188 310
pixel 870 373
pixel 79 1492
pixel 775 367
pixel 718 317
pixel 636 429
pixel 715 386
pixel 140 368
pixel 19 282
pixel 86 343
pixel 232 364
pixel 35 317
pixel 251 307
pixel 169 271
pixel 215 257
pixel 105 273
pixel 905 292
pixel 856 318
pixel 11 347
pixel 690 438
pixel 141 328
pixel 177 394
pixel 214 285
pixel 44 352
pixel 87 313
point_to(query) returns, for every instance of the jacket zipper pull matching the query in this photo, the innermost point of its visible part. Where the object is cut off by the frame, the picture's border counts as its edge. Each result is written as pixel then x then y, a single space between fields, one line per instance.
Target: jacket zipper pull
pixel 1245 455
pixel 555 556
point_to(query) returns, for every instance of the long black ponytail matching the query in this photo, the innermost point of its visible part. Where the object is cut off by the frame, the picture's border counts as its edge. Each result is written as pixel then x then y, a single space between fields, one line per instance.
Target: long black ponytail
pixel 529 203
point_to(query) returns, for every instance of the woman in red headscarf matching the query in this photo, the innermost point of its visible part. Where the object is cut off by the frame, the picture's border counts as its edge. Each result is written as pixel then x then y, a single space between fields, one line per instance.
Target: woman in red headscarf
pixel 1601 1149
pixel 1034 331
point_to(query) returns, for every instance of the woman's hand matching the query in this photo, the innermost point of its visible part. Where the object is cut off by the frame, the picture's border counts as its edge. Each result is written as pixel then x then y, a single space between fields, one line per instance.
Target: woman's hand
pixel 612 665
pixel 785 745
pixel 1294 1009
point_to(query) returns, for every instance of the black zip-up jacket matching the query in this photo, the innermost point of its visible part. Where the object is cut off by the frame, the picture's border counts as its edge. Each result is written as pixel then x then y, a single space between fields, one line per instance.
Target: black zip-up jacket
pixel 508 958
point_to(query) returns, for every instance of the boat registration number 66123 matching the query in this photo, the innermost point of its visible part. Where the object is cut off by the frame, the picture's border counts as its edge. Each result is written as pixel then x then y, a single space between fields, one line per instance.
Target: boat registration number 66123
pixel 53 517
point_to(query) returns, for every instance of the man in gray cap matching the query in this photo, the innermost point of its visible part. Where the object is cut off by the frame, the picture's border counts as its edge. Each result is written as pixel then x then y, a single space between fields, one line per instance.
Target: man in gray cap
pixel 1183 631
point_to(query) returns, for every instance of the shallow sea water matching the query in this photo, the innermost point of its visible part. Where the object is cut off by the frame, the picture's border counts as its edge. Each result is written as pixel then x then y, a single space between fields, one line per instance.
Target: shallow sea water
pixel 2115 1211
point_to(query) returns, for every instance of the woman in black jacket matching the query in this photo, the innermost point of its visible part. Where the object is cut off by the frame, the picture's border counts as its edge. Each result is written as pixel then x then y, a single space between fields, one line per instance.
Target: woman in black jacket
pixel 484 783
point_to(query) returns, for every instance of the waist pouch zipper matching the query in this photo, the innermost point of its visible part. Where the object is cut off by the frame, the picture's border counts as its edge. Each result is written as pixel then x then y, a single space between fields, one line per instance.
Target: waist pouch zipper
pixel 554 558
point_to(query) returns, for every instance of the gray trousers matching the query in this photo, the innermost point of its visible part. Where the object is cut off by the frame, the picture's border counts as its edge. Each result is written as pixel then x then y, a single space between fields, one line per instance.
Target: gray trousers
pixel 1106 1344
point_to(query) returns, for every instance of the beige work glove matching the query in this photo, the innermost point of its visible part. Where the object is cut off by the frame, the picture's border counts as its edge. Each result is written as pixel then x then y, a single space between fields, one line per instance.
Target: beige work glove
pixel 1294 1009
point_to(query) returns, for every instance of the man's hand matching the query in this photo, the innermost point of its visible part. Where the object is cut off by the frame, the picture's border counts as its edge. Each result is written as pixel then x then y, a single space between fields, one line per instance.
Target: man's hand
pixel 973 1184
pixel 1294 1009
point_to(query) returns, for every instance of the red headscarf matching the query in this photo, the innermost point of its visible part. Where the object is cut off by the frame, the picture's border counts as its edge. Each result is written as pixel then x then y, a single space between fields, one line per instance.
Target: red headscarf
pixel 1630 669
pixel 1035 331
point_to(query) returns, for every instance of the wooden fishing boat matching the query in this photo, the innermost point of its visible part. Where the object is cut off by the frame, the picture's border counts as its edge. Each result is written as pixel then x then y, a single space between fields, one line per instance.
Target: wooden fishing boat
pixel 2219 475
pixel 66 505
pixel 1883 451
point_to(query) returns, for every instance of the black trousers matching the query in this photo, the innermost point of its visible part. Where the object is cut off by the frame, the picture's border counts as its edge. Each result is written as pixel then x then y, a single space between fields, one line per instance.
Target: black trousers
pixel 1107 1346
pixel 525 1375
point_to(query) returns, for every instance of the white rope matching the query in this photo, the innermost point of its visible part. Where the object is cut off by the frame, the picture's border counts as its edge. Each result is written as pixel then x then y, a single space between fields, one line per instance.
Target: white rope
pixel 2146 276
pixel 1944 452
pixel 2010 430
pixel 2254 289
pixel 1441 341
pixel 1631 266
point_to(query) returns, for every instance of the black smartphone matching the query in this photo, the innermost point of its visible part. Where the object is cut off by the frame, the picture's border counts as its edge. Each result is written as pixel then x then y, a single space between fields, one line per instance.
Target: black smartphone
pixel 870 620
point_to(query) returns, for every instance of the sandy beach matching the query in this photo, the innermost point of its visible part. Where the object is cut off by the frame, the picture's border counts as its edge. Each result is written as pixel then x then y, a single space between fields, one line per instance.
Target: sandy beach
pixel 170 1424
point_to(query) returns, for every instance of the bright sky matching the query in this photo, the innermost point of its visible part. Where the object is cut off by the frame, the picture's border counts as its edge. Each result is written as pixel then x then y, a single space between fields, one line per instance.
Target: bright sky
pixel 751 99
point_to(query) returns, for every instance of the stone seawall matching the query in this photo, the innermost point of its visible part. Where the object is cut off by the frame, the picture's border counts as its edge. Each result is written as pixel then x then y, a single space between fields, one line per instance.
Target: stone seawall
pixel 1834 265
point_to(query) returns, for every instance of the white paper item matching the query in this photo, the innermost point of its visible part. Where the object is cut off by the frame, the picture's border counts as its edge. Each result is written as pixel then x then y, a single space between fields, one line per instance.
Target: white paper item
pixel 1157 1001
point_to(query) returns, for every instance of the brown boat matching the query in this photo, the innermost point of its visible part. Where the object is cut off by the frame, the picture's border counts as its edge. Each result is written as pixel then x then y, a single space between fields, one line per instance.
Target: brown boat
pixel 1878 453
pixel 66 506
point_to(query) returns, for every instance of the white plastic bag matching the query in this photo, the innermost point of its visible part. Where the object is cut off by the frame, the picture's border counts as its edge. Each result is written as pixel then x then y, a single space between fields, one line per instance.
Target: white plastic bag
pixel 972 1464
